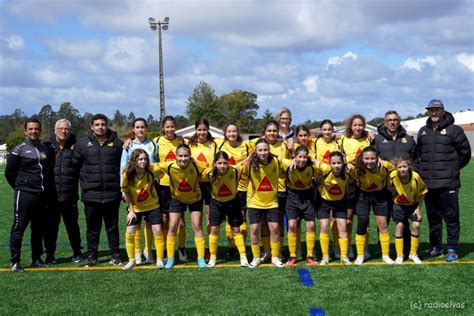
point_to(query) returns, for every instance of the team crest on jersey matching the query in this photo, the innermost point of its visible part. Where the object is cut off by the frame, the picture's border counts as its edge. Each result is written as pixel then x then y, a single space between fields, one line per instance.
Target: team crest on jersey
pixel 372 187
pixel 265 185
pixel 327 155
pixel 143 195
pixel 202 158
pixel 299 184
pixel 402 199
pixel 335 190
pixel 232 161
pixel 171 156
pixel 423 133
pixel 184 186
pixel 224 191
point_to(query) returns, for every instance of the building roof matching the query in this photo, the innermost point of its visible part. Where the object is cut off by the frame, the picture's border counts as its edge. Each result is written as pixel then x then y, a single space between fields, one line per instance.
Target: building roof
pixel 189 131
pixel 460 118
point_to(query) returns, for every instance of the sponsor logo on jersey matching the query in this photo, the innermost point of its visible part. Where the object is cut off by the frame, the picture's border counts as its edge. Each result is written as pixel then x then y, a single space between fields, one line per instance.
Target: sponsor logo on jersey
pixel 184 186
pixel 143 195
pixel 299 184
pixel 335 190
pixel 201 157
pixel 372 187
pixel 326 156
pixel 265 185
pixel 402 199
pixel 224 191
pixel 171 156
pixel 358 153
pixel 232 161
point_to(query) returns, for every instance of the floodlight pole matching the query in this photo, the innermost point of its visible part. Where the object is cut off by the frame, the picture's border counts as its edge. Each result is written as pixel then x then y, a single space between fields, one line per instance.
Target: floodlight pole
pixel 160 25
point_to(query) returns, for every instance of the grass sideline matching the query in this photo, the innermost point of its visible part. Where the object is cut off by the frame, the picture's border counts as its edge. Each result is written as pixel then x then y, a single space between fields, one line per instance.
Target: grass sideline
pixel 370 289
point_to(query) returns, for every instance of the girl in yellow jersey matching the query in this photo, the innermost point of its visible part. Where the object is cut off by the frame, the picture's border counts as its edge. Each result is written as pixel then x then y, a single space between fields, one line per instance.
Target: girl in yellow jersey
pixel 225 204
pixel 408 193
pixel 142 202
pixel 351 144
pixel 167 144
pixel 262 200
pixel 203 148
pixel 238 150
pixel 333 188
pixel 185 192
pixel 300 204
pixel 372 180
pixel 304 138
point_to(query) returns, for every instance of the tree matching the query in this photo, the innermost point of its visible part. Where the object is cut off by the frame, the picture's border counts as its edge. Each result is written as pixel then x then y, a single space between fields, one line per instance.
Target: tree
pixel 181 121
pixel 119 119
pixel 47 116
pixel 239 107
pixel 202 104
pixel 130 118
pixel 267 116
pixel 376 121
pixel 69 112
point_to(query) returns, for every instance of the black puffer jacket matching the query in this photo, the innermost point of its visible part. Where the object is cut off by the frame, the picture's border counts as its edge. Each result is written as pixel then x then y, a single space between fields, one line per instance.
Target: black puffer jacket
pixel 99 167
pixel 388 148
pixel 66 177
pixel 442 153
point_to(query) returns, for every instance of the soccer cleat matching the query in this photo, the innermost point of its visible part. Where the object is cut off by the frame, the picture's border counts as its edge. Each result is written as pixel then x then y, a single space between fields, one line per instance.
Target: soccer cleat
pixel 452 255
pixel 350 253
pixel 324 261
pixel 202 263
pixel 367 254
pixel 78 258
pixel 50 260
pixel 38 263
pixel 291 262
pixel 182 254
pixel 244 262
pixel 415 259
pixel 399 260
pixel 211 263
pixel 16 267
pixel 359 260
pixel 231 252
pixel 91 262
pixel 277 262
pixel 345 261
pixel 266 256
pixel 387 260
pixel 311 262
pixel 129 266
pixel 255 262
pixel 159 264
pixel 138 258
pixel 433 252
pixel 170 263
pixel 115 261
pixel 336 252
pixel 148 257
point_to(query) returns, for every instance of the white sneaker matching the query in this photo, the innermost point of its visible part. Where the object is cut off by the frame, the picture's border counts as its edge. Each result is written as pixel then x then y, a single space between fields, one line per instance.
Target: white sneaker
pixel 366 253
pixel 266 256
pixel 415 259
pixel 148 257
pixel 359 260
pixel 138 258
pixel 324 261
pixel 160 264
pixel 244 262
pixel 129 266
pixel 345 261
pixel 211 263
pixel 255 262
pixel 277 262
pixel 399 260
pixel 350 253
pixel 182 256
pixel 336 252
pixel 387 260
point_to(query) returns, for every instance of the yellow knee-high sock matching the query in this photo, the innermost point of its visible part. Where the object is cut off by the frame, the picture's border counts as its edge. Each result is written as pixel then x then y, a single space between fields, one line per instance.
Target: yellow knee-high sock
pixel 170 246
pixel 275 248
pixel 130 246
pixel 148 238
pixel 138 240
pixel 324 241
pixel 399 246
pixel 256 250
pixel 343 245
pixel 243 230
pixel 415 243
pixel 159 246
pixel 335 234
pixel 292 240
pixel 385 243
pixel 181 237
pixel 240 243
pixel 310 240
pixel 229 235
pixel 213 244
pixel 360 244
pixel 200 246
pixel 266 243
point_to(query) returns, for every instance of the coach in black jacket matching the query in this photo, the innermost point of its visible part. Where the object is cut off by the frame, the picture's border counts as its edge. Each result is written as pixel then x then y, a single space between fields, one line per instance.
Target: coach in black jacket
pixel 64 204
pixel 97 156
pixel 443 150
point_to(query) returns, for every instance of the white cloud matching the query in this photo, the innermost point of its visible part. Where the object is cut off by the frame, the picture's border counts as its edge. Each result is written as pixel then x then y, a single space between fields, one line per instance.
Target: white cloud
pixel 419 63
pixel 311 84
pixel 466 60
pixel 53 77
pixel 76 49
pixel 14 42
pixel 128 54
pixel 337 60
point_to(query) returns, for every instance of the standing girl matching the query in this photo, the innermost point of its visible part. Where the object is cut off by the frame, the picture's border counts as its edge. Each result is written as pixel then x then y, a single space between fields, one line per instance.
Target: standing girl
pixel 225 204
pixel 142 202
pixel 303 138
pixel 408 193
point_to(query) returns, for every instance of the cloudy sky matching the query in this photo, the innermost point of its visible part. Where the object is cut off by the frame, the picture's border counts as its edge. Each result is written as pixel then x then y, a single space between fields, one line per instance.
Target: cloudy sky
pixel 322 59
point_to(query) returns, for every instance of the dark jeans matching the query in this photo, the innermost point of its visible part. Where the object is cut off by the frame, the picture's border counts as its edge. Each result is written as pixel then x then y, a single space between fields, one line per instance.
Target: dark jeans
pixel 443 204
pixel 95 212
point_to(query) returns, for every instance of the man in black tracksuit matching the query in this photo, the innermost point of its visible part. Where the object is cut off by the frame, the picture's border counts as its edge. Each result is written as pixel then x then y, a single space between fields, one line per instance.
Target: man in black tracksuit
pixel 97 156
pixel 29 173
pixel 390 142
pixel 64 204
pixel 443 150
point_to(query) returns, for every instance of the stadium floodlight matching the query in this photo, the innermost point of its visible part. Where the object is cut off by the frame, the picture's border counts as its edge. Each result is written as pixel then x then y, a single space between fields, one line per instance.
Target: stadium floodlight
pixel 160 25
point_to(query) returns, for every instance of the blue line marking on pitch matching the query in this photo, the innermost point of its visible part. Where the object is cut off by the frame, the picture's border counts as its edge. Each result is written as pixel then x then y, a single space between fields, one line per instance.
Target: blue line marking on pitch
pixel 305 278
pixel 317 311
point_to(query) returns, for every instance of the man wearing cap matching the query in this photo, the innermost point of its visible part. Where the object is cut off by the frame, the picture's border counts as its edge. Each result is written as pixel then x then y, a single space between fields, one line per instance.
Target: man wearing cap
pixel 443 149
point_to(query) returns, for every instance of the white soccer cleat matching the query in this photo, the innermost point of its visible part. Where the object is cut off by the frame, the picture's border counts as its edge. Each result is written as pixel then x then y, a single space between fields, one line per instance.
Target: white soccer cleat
pixel 255 263
pixel 415 259
pixel 160 264
pixel 387 260
pixel 138 257
pixel 359 260
pixel 345 261
pixel 244 262
pixel 211 263
pixel 324 261
pixel 277 262
pixel 399 260
pixel 129 266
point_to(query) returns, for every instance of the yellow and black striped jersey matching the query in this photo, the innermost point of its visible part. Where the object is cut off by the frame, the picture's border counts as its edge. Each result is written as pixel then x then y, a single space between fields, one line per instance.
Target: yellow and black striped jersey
pixel 203 153
pixel 410 193
pixel 324 149
pixel 167 153
pixel 311 147
pixel 298 179
pixel 236 155
pixel 142 192
pixel 373 181
pixel 224 188
pixel 332 188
